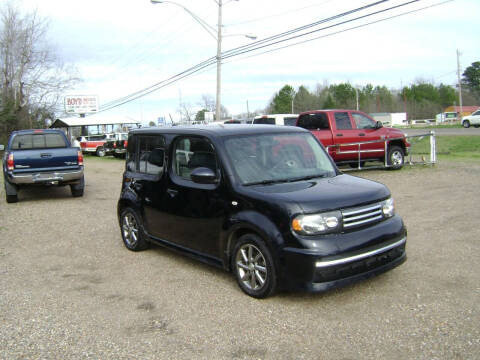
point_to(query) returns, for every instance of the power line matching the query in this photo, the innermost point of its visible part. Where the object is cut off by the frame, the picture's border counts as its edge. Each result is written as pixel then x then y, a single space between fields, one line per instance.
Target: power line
pixel 345 30
pixel 244 48
pixel 209 62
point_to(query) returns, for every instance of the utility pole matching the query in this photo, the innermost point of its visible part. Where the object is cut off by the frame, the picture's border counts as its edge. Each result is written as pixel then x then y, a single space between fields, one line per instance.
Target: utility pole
pixel 356 97
pixel 219 61
pixel 248 112
pixel 459 86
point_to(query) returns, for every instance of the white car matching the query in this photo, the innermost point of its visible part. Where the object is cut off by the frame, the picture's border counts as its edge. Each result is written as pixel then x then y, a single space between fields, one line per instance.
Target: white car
pixel 276 119
pixel 473 119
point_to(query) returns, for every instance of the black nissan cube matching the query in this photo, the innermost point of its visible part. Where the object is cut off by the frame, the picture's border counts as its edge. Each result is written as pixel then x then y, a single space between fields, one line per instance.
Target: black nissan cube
pixel 265 202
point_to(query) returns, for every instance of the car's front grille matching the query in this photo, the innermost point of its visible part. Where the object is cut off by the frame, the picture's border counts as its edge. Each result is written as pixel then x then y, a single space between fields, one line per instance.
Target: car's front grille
pixel 361 216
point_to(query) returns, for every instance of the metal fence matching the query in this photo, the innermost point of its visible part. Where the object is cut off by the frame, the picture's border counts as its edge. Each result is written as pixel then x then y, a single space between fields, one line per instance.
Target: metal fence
pixel 420 153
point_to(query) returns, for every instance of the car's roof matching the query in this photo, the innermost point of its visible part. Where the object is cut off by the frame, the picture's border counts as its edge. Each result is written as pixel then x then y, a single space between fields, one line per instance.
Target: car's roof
pixel 32 131
pixel 220 130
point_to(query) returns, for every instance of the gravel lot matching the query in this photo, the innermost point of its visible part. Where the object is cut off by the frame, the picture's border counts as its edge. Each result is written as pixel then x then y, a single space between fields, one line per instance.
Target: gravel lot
pixel 70 290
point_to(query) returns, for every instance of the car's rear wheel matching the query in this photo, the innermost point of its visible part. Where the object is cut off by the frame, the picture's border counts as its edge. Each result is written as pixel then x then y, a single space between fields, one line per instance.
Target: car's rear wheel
pixel 130 225
pixel 11 190
pixel 466 124
pixel 254 267
pixel 77 189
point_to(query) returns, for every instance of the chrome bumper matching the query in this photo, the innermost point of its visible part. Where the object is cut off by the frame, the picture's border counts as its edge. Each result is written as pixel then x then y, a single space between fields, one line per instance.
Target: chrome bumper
pixel 47 177
pixel 349 259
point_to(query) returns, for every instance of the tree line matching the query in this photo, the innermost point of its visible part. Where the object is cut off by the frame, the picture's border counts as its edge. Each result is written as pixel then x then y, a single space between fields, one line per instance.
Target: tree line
pixel 421 100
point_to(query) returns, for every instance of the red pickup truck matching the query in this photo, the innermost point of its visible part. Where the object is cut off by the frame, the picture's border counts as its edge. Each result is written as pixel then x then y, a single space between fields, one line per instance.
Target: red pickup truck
pixel 336 129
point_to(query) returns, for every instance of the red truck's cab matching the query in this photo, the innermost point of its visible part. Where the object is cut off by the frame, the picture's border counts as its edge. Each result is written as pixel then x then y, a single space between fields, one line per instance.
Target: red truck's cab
pixel 336 129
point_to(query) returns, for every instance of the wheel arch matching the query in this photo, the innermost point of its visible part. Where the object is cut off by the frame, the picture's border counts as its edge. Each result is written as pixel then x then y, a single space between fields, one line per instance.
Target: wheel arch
pixel 250 223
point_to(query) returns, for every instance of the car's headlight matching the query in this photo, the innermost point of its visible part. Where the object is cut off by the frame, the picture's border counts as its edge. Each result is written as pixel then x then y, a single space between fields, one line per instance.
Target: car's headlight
pixel 388 208
pixel 316 224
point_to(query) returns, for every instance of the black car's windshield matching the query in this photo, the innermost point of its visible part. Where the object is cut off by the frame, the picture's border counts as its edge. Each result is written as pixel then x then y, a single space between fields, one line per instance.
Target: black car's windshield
pixel 273 158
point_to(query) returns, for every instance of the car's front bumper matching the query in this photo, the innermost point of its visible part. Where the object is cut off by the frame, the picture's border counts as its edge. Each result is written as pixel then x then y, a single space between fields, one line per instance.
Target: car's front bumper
pixel 370 252
pixel 54 177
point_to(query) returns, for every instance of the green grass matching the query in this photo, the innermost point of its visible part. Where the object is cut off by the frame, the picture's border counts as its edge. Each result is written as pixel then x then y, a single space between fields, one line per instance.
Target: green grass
pixel 449 146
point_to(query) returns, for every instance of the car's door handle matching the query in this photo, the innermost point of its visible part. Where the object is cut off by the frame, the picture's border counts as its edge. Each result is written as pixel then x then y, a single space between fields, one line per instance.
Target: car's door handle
pixel 45 155
pixel 172 192
pixel 339 134
pixel 361 134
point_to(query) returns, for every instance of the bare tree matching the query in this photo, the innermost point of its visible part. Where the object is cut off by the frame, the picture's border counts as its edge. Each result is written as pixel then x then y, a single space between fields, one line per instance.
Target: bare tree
pixel 187 113
pixel 32 78
pixel 207 102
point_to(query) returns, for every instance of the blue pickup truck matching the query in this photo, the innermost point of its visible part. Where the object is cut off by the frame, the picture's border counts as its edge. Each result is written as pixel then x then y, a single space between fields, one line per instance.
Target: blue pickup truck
pixel 41 157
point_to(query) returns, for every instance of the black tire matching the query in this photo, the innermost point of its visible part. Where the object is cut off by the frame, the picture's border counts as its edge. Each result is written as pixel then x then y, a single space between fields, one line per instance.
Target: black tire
pixel 11 190
pixel 254 267
pixel 100 151
pixel 11 198
pixel 466 124
pixel 131 229
pixel 395 157
pixel 77 189
pixel 476 126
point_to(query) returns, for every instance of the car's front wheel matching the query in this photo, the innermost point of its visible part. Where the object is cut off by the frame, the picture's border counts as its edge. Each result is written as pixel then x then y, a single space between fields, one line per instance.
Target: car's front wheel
pixel 100 151
pixel 254 267
pixel 466 124
pixel 395 157
pixel 132 235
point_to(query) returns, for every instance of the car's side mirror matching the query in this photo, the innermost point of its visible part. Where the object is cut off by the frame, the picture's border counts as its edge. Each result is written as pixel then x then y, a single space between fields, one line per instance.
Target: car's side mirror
pixel 2 147
pixel 203 175
pixel 378 125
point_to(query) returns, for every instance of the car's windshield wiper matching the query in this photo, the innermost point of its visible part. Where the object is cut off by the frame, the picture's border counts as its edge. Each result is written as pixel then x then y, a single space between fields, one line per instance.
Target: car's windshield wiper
pixel 309 177
pixel 277 181
pixel 266 182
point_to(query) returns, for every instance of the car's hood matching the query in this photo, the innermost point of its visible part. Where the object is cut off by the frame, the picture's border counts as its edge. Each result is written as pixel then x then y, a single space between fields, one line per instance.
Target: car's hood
pixel 324 194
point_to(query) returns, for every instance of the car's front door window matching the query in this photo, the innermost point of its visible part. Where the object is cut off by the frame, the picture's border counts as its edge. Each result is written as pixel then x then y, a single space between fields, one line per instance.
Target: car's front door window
pixel 191 153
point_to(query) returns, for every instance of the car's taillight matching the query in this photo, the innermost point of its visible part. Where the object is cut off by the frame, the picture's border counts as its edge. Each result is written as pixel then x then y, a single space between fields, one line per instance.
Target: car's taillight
pixel 80 158
pixel 115 145
pixel 10 162
pixel 125 144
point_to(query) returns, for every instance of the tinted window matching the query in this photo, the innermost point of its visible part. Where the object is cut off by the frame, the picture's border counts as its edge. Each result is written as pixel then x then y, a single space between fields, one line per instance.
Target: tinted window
pixel 151 154
pixel 38 141
pixel 342 121
pixel 290 121
pixel 314 121
pixel 363 122
pixel 265 121
pixel 191 153
pixel 131 150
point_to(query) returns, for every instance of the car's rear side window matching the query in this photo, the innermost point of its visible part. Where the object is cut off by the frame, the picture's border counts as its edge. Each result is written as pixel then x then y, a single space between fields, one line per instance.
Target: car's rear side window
pixel 38 141
pixel 290 121
pixel 146 154
pixel 318 121
pixel 264 121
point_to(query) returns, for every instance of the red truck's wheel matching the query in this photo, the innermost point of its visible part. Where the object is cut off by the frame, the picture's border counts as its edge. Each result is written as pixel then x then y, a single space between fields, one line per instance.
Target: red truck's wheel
pixel 395 157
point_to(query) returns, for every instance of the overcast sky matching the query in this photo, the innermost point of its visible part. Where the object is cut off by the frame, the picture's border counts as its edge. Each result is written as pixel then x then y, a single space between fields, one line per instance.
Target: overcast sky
pixel 122 46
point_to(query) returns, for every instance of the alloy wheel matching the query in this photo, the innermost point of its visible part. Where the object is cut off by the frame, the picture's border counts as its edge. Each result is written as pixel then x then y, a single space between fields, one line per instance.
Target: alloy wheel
pixel 251 267
pixel 130 230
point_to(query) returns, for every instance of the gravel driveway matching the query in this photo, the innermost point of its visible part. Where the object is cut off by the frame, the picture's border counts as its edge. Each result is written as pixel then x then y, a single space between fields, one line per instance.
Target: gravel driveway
pixel 70 290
